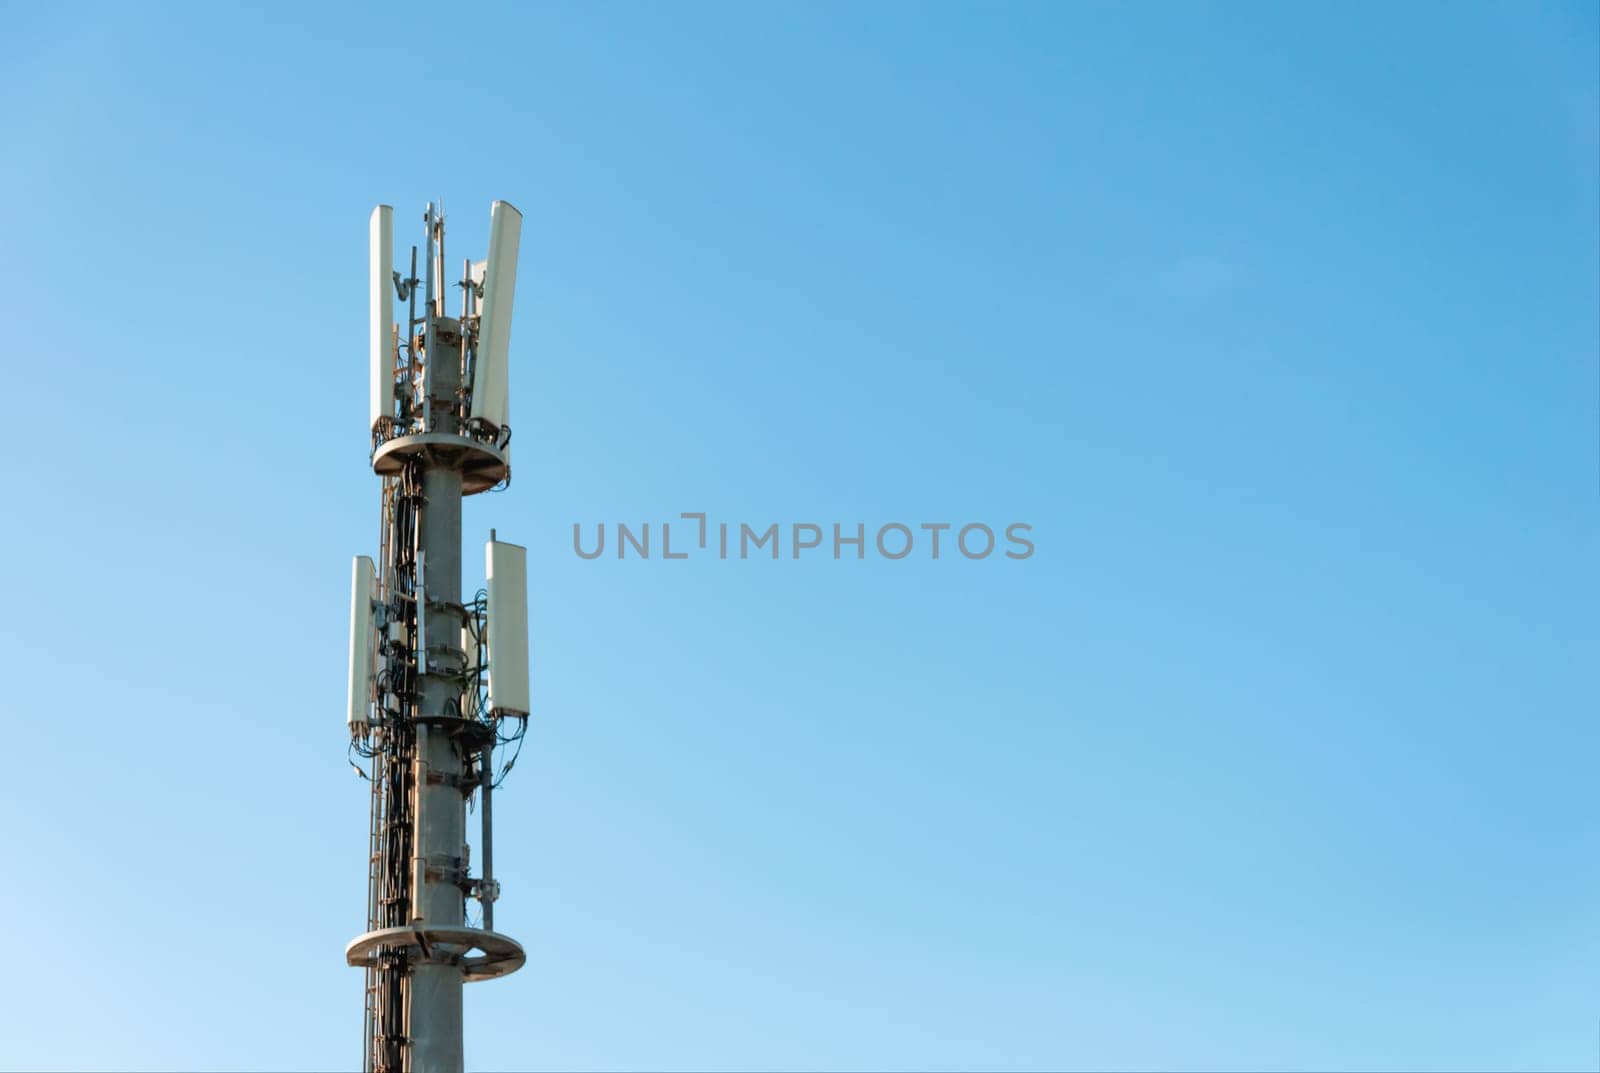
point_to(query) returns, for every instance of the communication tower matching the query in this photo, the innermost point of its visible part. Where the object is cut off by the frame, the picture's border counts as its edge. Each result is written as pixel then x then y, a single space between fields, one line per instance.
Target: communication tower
pixel 438 683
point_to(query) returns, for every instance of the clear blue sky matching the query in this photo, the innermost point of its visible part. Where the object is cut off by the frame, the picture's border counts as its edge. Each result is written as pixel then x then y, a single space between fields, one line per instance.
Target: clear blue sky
pixel 1278 323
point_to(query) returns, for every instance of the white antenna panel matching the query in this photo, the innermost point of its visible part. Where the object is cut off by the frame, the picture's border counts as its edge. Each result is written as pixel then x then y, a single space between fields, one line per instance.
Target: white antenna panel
pixel 490 382
pixel 381 306
pixel 363 589
pixel 506 570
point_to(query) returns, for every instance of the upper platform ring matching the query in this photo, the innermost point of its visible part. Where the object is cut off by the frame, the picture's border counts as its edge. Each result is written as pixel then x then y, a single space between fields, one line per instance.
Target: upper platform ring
pixel 482 466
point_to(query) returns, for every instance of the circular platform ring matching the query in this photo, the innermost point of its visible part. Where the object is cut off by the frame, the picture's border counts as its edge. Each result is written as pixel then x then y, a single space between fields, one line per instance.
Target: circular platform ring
pixel 501 955
pixel 482 466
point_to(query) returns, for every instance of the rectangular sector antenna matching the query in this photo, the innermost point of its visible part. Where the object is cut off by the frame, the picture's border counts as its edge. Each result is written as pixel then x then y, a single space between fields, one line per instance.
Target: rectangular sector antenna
pixel 507 573
pixel 363 588
pixel 381 307
pixel 490 381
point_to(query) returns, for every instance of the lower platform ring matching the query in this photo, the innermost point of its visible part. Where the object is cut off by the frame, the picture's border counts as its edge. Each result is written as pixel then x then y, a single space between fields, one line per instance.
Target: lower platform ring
pixel 500 955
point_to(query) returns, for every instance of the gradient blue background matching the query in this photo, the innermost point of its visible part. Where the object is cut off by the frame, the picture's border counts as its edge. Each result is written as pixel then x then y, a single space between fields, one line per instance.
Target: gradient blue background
pixel 1278 323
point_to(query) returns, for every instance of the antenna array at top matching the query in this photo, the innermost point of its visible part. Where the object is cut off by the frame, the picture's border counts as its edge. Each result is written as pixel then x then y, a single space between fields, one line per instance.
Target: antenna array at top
pixel 404 354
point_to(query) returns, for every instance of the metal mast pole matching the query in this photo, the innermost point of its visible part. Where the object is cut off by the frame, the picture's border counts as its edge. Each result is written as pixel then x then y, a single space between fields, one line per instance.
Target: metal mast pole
pixel 440 846
pixel 417 705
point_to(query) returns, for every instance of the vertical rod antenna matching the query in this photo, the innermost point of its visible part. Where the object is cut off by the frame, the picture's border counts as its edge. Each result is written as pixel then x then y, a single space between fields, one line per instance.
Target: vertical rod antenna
pixel 487 888
pixel 427 333
pixel 438 223
pixel 411 294
pixel 466 311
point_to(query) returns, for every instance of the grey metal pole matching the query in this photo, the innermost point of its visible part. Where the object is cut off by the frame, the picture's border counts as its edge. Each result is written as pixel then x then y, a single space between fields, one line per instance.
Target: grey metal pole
pixel 435 989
